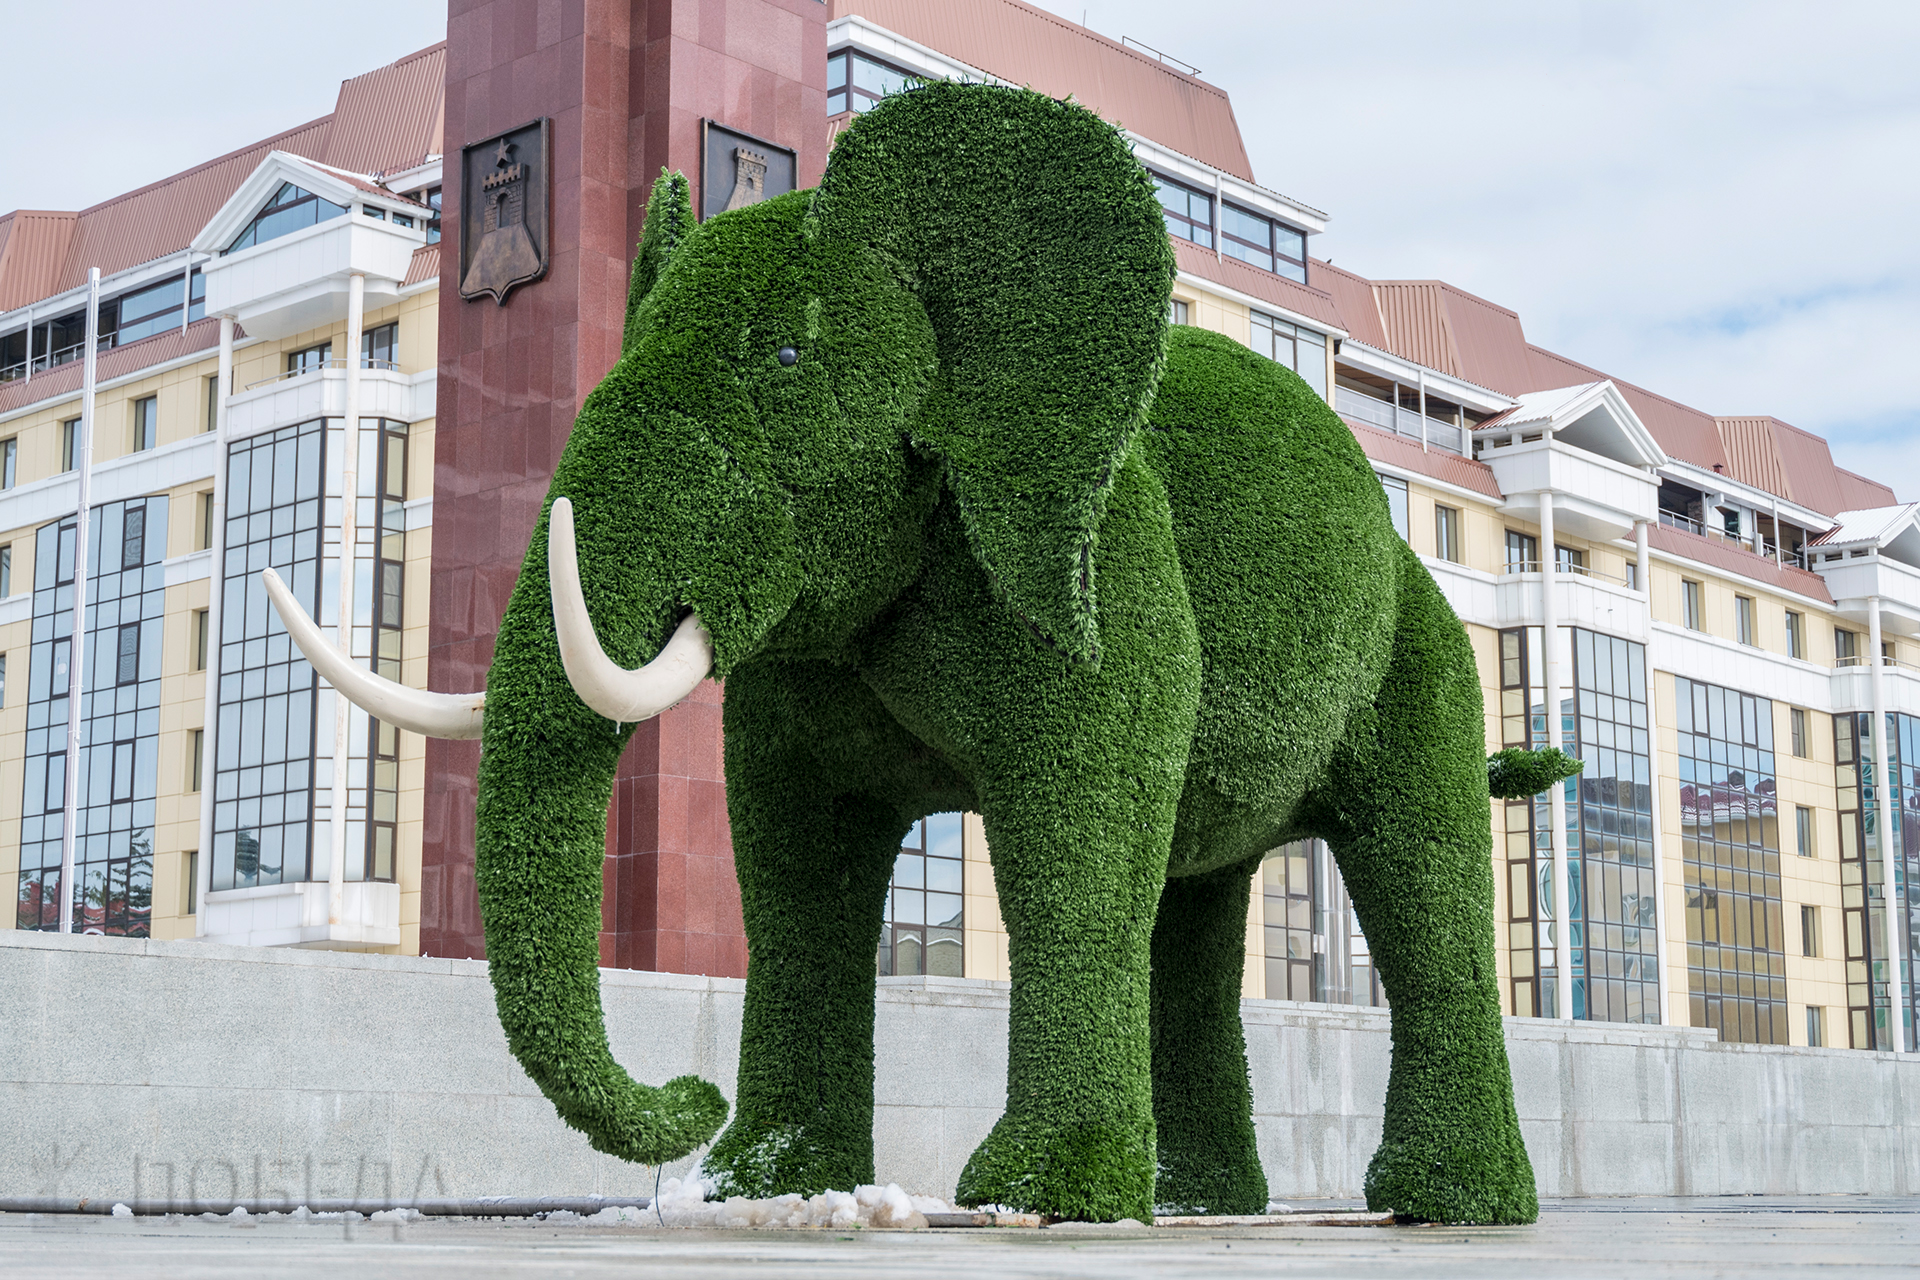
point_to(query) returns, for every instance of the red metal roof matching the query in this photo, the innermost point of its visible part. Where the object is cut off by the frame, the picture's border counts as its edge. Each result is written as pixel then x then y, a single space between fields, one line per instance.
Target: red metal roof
pixel 389 118
pixel 201 335
pixel 1753 455
pixel 1283 293
pixel 1857 493
pixel 1353 298
pixel 1024 45
pixel 1682 432
pixel 1737 560
pixel 1440 464
pixel 425 265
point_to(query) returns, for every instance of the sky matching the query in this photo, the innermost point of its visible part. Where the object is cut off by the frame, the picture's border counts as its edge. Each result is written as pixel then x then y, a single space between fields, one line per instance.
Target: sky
pixel 1714 200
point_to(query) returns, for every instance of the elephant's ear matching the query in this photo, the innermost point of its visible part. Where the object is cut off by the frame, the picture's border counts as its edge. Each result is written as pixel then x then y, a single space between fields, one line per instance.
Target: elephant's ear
pixel 669 219
pixel 1034 240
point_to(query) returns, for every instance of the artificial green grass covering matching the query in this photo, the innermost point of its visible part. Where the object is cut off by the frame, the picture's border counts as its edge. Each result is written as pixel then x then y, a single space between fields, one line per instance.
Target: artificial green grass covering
pixel 960 553
pixel 1517 772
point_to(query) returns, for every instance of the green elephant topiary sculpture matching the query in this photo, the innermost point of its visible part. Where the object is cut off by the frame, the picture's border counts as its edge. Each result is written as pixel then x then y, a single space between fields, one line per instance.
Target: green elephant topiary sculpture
pixel 915 463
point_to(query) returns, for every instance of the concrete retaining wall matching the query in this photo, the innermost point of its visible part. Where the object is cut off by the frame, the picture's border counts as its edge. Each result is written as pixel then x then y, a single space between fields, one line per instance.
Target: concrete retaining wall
pixel 187 1070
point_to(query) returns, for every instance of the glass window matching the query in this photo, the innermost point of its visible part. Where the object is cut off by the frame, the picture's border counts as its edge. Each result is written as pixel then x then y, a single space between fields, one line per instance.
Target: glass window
pixel 1446 532
pixel 431 198
pixel 1179 313
pixel 310 359
pixel 1692 613
pixel 855 82
pixel 133 538
pixel 1730 841
pixel 127 670
pixel 291 209
pixel 372 212
pixel 1633 574
pixel 1189 213
pixel 1254 238
pixel 1796 634
pixel 1844 647
pixel 3 679
pixel 70 444
pixel 1523 552
pixel 1570 560
pixel 923 927
pixel 156 308
pixel 1300 349
pixel 1797 719
pixel 1803 831
pixel 196 741
pixel 213 402
pixel 1809 930
pixel 9 453
pixel 1396 503
pixel 6 571
pixel 190 879
pixel 203 534
pixel 379 348
pixel 146 422
pixel 1743 619
pixel 1816 1026
pixel 199 642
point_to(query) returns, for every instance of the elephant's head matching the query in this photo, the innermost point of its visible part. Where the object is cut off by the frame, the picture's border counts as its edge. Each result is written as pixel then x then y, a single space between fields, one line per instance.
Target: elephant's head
pixel 973 303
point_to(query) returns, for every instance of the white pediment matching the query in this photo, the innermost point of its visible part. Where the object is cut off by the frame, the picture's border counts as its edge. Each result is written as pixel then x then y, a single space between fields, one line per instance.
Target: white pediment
pixel 1593 417
pixel 337 185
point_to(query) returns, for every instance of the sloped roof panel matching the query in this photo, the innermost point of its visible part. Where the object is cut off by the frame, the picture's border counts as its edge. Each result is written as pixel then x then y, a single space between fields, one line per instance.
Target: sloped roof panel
pixel 1682 432
pixel 1024 45
pixel 1857 493
pixel 36 245
pixel 1753 456
pixel 425 264
pixel 1416 323
pixel 1354 301
pixel 201 335
pixel 1283 293
pixel 1808 463
pixel 390 118
pixel 1398 451
pixel 1487 340
pixel 1737 560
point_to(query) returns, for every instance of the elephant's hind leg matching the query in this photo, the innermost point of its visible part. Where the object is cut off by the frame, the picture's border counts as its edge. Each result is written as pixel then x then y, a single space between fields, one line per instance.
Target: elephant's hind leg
pixel 1406 814
pixel 1202 1098
pixel 813 853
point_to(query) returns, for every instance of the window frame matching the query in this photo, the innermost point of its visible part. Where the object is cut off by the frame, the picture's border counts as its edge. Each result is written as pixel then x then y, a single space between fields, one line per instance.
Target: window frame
pixel 200 639
pixel 121 656
pixel 146 423
pixel 1797 732
pixel 1809 931
pixel 9 462
pixel 69 445
pixel 1746 620
pixel 304 197
pixel 1806 840
pixel 310 359
pixel 6 571
pixel 1402 514
pixel 842 60
pixel 1529 549
pixel 1168 215
pixel 1276 231
pixel 1446 532
pixel 1796 634
pixel 1693 604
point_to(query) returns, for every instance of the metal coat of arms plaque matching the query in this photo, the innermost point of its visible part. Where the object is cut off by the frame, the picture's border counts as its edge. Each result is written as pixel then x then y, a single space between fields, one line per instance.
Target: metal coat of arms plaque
pixel 503 212
pixel 738 169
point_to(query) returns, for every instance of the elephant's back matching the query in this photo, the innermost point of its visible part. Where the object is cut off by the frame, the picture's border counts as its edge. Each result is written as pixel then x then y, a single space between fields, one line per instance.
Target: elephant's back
pixel 1289 557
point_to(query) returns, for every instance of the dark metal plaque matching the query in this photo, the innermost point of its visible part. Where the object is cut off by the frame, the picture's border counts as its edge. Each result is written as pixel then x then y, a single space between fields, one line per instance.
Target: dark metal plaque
pixel 503 212
pixel 738 169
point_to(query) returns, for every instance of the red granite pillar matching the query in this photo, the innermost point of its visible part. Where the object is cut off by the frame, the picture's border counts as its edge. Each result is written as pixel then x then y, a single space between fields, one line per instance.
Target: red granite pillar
pixel 625 83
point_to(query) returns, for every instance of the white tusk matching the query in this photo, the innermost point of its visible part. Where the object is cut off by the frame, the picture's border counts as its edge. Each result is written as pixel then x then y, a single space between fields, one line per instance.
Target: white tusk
pixel 623 696
pixel 437 715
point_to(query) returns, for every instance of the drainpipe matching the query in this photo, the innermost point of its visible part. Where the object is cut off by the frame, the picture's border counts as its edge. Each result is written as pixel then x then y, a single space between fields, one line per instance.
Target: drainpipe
pixel 349 510
pixel 216 588
pixel 1644 573
pixel 1893 904
pixel 77 645
pixel 1557 794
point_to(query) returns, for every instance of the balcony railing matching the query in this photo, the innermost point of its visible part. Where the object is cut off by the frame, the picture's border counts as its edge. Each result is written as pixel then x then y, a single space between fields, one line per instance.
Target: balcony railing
pixel 315 366
pixel 1401 422
pixel 1571 570
pixel 66 355
pixel 1759 546
pixel 1861 660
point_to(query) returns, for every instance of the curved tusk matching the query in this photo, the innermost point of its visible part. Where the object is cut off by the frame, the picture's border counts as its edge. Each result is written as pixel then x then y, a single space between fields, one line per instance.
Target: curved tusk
pixel 623 696
pixel 437 715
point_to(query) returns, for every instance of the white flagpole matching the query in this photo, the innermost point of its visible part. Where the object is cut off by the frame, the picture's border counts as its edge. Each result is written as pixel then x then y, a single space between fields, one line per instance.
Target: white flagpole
pixel 77 646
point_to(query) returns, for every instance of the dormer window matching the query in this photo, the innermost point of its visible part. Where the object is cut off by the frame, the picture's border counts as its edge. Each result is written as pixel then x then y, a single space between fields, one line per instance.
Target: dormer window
pixel 291 209
pixel 856 82
pixel 1189 213
pixel 1268 245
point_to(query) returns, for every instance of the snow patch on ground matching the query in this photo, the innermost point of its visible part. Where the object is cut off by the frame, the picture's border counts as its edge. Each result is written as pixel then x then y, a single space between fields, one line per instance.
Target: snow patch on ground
pixel 687 1204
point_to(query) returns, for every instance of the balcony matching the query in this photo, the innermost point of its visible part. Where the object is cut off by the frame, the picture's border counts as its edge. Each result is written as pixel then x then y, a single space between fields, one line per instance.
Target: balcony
pixel 1400 421
pixel 1593 497
pixel 1582 597
pixel 1856 576
pixel 306 394
pixel 1853 686
pixel 295 915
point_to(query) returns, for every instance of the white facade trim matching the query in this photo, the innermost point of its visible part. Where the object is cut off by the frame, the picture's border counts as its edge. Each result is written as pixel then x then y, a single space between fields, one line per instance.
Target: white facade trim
pixel 148 371
pixel 17 607
pixel 190 567
pixel 1701 569
pixel 136 474
pixel 1712 659
pixel 322 393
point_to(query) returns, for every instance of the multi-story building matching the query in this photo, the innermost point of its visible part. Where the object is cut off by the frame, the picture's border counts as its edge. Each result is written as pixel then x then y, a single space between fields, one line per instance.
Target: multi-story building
pixel 1724 625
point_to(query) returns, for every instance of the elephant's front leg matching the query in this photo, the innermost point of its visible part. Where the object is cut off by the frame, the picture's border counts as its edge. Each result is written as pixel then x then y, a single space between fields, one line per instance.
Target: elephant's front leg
pixel 1079 771
pixel 814 853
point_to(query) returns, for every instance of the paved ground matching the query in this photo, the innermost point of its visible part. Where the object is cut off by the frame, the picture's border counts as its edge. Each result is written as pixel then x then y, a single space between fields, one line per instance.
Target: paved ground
pixel 1578 1238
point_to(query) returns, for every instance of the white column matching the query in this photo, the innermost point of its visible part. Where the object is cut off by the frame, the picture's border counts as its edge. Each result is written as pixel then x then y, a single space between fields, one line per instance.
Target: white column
pixel 1893 908
pixel 77 646
pixel 216 582
pixel 343 711
pixel 1423 410
pixel 1557 794
pixel 1643 572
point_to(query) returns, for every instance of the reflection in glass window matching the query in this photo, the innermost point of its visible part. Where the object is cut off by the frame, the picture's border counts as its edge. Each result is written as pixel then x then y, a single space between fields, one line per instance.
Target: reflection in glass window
pixel 1299 348
pixel 855 82
pixel 118 773
pixel 9 452
pixel 1730 839
pixel 1257 239
pixel 310 359
pixel 156 308
pixel 1189 213
pixel 1863 872
pixel 291 209
pixel 380 347
pixel 923 928
pixel 1396 502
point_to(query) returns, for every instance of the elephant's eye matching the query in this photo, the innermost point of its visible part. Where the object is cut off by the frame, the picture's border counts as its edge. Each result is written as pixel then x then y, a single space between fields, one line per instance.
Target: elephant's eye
pixel 788 356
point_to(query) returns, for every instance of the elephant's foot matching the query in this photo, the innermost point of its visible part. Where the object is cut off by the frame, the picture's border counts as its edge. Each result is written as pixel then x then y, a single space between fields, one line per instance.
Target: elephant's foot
pixel 1450 1149
pixel 1202 1176
pixel 761 1159
pixel 1478 1179
pixel 1078 1172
